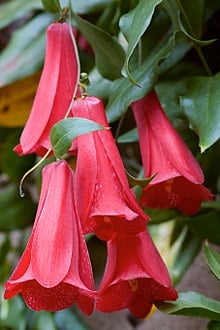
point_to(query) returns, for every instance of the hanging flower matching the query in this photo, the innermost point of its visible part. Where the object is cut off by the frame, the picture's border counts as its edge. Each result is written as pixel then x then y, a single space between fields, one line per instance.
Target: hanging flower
pixel 104 200
pixel 135 276
pixel 179 178
pixel 55 91
pixel 54 271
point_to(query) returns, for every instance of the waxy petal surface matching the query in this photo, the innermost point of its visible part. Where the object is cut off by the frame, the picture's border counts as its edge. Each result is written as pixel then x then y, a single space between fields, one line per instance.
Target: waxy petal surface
pixel 55 91
pixel 104 200
pixel 135 276
pixel 165 153
pixel 52 242
pixel 179 178
pixel 54 271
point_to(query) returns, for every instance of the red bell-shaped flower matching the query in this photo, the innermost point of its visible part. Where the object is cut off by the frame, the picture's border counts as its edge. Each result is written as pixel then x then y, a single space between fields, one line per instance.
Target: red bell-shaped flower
pixel 55 91
pixel 54 271
pixel 135 276
pixel 104 200
pixel 179 178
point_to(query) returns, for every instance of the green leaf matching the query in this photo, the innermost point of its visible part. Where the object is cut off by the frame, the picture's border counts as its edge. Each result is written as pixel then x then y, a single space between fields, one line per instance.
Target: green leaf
pixel 129 137
pixel 187 16
pixel 52 6
pixel 16 213
pixel 201 106
pixel 133 26
pixel 15 9
pixel 63 133
pixel 67 320
pixel 170 87
pixel 205 225
pixel 187 251
pixel 123 92
pixel 213 260
pixel 109 55
pixel 192 38
pixel 25 52
pixel 192 304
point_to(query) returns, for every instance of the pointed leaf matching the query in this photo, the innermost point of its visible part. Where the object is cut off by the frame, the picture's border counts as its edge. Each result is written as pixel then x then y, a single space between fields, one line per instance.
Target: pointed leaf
pixel 63 133
pixel 109 55
pixel 202 106
pixel 123 92
pixel 133 25
pixel 193 39
pixel 192 304
pixel 139 182
pixel 213 260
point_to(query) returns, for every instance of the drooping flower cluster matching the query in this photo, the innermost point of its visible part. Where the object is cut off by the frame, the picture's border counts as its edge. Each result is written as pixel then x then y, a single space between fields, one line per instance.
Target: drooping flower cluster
pixel 54 271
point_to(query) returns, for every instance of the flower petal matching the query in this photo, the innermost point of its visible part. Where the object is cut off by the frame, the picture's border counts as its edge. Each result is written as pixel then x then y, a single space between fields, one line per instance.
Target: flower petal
pixel 167 153
pixel 53 236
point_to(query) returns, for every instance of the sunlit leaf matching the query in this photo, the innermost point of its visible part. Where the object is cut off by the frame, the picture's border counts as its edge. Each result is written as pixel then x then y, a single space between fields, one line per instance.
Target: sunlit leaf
pixel 133 25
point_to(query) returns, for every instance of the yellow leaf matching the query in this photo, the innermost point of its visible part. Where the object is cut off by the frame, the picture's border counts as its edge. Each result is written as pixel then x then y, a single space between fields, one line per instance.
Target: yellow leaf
pixel 16 101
